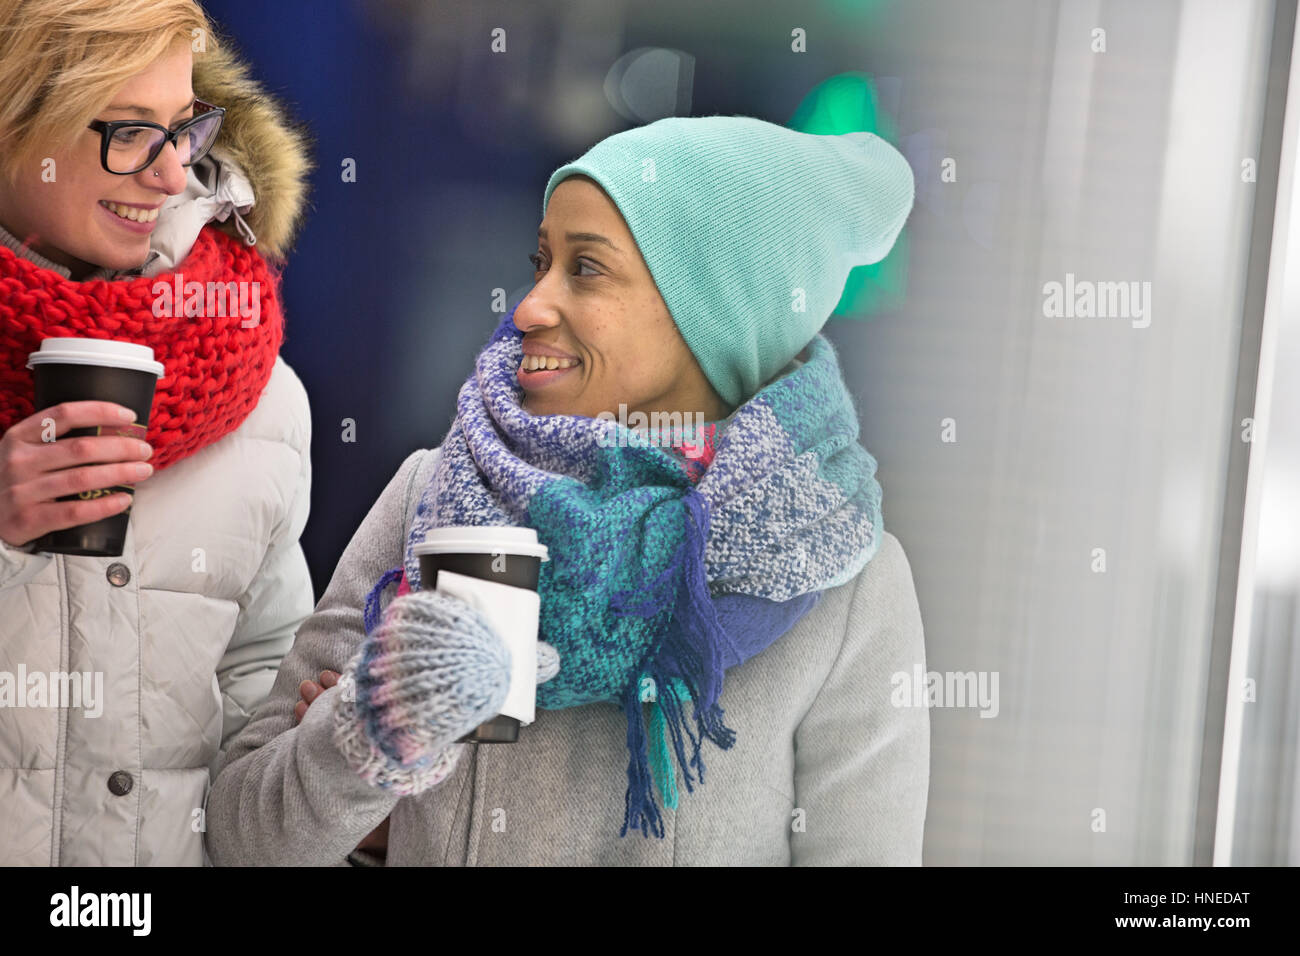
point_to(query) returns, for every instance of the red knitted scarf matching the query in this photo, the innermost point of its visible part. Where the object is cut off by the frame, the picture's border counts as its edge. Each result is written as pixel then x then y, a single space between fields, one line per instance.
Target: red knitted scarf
pixel 215 369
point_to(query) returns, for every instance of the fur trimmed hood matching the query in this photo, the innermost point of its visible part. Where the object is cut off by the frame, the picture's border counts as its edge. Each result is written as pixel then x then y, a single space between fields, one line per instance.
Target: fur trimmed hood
pixel 271 150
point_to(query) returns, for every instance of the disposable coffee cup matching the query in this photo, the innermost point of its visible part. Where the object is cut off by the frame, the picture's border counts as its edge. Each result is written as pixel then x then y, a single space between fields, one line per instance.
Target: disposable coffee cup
pixel 74 370
pixel 494 570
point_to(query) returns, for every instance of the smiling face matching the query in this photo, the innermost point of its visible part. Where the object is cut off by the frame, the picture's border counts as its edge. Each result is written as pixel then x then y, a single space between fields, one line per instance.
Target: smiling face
pixel 70 220
pixel 595 301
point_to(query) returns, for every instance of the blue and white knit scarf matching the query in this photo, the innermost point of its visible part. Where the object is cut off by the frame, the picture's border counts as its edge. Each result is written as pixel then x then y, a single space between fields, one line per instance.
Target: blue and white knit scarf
pixel 656 585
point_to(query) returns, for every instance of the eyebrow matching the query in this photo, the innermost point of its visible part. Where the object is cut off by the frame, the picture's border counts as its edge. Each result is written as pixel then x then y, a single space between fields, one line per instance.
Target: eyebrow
pixel 146 111
pixel 581 237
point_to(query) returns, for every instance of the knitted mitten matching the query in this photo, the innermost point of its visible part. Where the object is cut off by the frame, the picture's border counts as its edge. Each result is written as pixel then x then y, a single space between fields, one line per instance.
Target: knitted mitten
pixel 430 673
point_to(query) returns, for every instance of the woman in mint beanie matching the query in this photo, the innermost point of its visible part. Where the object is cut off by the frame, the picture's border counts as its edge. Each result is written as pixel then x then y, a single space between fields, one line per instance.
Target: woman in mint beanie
pixel 684 271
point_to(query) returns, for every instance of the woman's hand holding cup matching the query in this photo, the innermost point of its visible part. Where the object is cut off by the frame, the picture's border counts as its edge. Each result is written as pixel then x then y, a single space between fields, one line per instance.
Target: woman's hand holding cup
pixel 431 672
pixel 548 665
pixel 35 471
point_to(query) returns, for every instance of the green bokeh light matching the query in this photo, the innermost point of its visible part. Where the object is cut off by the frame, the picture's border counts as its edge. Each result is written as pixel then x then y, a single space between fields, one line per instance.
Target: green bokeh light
pixel 849 103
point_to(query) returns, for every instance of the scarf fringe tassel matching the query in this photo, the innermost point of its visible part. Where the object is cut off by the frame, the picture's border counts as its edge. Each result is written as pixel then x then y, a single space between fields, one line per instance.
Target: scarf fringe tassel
pixel 690 661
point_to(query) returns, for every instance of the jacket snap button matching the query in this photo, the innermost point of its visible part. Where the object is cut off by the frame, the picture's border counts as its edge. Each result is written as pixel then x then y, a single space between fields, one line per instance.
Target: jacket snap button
pixel 118 574
pixel 120 783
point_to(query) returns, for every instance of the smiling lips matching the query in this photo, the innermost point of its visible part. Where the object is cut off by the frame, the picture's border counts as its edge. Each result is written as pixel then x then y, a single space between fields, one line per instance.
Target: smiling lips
pixel 533 363
pixel 536 371
pixel 142 214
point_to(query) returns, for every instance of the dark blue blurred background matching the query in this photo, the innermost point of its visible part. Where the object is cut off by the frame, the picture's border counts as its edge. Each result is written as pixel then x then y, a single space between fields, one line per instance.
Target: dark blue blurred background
pixel 388 293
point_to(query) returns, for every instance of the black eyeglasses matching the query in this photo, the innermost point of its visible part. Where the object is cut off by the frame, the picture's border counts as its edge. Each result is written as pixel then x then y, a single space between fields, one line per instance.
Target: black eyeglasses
pixel 128 146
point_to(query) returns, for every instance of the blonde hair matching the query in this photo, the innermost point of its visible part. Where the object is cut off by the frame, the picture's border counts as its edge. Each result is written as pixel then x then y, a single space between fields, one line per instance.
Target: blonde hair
pixel 62 61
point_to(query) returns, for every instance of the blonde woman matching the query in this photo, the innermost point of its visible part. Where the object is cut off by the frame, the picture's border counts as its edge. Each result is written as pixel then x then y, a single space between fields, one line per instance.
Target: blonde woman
pixel 139 158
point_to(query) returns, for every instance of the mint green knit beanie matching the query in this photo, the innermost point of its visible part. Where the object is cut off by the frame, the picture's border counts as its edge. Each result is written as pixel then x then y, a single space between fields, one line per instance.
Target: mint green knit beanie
pixel 749 229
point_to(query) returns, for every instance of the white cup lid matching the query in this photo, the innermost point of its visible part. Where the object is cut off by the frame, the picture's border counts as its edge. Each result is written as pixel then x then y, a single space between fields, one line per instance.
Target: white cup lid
pixel 106 352
pixel 482 539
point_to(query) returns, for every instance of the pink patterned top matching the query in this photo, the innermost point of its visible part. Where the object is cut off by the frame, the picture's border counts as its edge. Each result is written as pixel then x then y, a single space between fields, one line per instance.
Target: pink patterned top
pixel 696 455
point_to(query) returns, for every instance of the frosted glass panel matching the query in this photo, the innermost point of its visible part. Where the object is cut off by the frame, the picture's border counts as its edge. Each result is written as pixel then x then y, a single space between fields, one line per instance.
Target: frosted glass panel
pixel 1056 460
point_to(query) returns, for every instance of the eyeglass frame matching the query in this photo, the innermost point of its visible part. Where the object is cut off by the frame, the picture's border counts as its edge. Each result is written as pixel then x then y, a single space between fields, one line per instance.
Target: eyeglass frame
pixel 106 129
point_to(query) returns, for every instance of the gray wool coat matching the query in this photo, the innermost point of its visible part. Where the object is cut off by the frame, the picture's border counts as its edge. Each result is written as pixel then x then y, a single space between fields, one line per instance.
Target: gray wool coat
pixel 824 770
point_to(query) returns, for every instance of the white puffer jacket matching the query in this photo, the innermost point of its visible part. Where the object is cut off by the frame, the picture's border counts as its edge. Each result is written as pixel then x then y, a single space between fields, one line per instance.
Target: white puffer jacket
pixel 181 636
pixel 186 628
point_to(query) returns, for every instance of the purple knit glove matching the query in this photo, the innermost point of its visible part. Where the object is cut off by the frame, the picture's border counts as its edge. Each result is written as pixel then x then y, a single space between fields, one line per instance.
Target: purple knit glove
pixel 431 672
